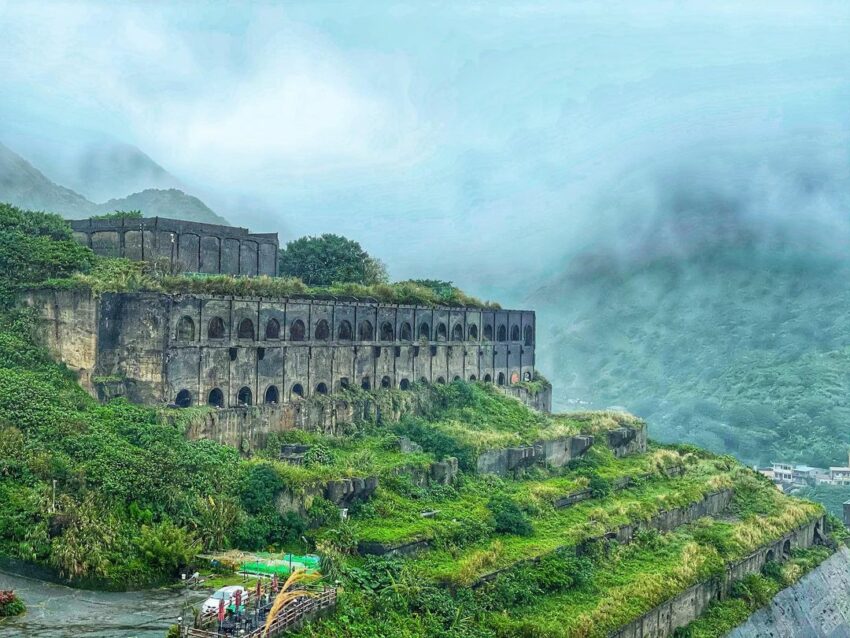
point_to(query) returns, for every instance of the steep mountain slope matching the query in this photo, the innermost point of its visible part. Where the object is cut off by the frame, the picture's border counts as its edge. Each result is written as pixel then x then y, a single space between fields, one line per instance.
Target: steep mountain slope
pixel 24 185
pixel 165 203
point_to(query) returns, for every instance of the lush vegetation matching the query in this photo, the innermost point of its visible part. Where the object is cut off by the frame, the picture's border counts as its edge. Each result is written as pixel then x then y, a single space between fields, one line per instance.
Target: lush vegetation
pixel 119 214
pixel 330 259
pixel 10 604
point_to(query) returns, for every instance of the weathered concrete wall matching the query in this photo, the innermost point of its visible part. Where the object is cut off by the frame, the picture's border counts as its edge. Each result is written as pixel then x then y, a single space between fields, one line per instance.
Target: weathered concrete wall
pixel 541 401
pixel 554 453
pixel 818 606
pixel 690 604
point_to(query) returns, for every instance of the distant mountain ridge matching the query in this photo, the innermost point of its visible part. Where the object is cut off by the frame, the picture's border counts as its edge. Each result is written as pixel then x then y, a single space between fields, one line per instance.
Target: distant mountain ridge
pixel 22 184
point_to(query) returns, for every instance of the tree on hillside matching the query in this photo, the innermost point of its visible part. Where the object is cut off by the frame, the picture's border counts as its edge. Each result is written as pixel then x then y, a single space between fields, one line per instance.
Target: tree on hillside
pixel 330 259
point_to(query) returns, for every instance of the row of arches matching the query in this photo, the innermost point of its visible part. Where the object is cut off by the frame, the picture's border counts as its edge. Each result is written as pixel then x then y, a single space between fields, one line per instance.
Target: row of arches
pixel 245 397
pixel 345 332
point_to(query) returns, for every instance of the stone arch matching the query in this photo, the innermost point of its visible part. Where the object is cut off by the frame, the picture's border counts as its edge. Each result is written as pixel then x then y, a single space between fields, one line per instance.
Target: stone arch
pixel 473 332
pixel 488 332
pixel 216 398
pixel 246 329
pixel 514 378
pixel 297 330
pixel 344 384
pixel 456 378
pixel 529 336
pixel 425 331
pixel 786 549
pixel 404 384
pixel 185 329
pixel 244 397
pixel 387 332
pixel 297 390
pixel 441 380
pixel 769 557
pixel 321 388
pixel 526 376
pixel 488 378
pixel 423 380
pixel 365 331
pixel 272 395
pixel 386 382
pixel 344 332
pixel 472 378
pixel 323 331
pixel 457 332
pixel 501 378
pixel 406 332
pixel 503 333
pixel 514 332
pixel 183 399
pixel 366 383
pixel 272 329
pixel 441 333
pixel 215 328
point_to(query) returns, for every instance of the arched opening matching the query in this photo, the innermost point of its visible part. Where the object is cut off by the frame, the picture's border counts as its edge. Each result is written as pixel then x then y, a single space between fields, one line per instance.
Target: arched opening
pixel 323 331
pixel 344 333
pixel 488 378
pixel 404 384
pixel 503 333
pixel 272 395
pixel 472 378
pixel 365 331
pixel 786 549
pixel 423 380
pixel 769 557
pixel 322 388
pixel 386 382
pixel 216 398
pixel 526 376
pixel 344 383
pixel 272 329
pixel 488 332
pixel 387 332
pixel 215 328
pixel 441 333
pixel 441 380
pixel 473 332
pixel 184 399
pixel 246 329
pixel 457 332
pixel 366 384
pixel 185 329
pixel 514 333
pixel 298 390
pixel 501 378
pixel 406 332
pixel 425 331
pixel 456 378
pixel 529 336
pixel 297 330
pixel 244 397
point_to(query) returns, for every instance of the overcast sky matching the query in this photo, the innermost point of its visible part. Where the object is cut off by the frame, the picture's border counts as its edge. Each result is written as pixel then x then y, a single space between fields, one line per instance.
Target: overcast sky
pixel 471 141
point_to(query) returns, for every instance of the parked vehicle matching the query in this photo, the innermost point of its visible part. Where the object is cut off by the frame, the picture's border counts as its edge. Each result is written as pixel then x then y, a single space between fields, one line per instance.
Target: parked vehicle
pixel 226 594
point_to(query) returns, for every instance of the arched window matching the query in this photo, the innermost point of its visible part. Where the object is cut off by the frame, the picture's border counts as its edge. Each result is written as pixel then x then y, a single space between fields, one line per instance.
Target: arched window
pixel 386 382
pixel 215 328
pixel 488 332
pixel 344 333
pixel 503 333
pixel 406 332
pixel 423 380
pixel 244 397
pixel 298 390
pixel 529 335
pixel 473 332
pixel 425 331
pixel 272 395
pixel 322 388
pixel 404 384
pixel 323 331
pixel 216 398
pixel 501 378
pixel 472 378
pixel 514 333
pixel 297 330
pixel 457 378
pixel 273 329
pixel 246 329
pixel 441 380
pixel 185 329
pixel 366 384
pixel 457 332
pixel 387 332
pixel 184 399
pixel 488 378
pixel 365 331
pixel 344 384
pixel 441 333
pixel 526 376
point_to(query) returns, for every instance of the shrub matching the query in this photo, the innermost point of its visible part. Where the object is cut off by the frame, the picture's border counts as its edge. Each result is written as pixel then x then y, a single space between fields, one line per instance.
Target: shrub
pixel 10 604
pixel 322 513
pixel 259 487
pixel 318 455
pixel 508 518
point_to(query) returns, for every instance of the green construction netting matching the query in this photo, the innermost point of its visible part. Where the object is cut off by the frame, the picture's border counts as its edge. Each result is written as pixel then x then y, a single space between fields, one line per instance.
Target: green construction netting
pixel 281 564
